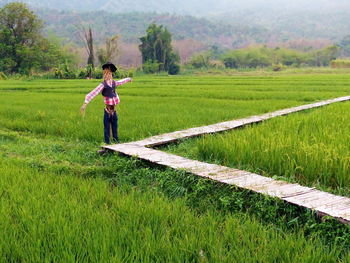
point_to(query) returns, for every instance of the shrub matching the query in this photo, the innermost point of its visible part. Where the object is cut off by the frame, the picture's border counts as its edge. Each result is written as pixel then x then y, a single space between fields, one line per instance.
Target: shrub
pixel 2 76
pixel 82 74
pixel 230 61
pixel 58 73
pixel 277 67
pixel 64 72
pixel 174 69
pixel 131 73
pixel 150 67
pixel 254 57
pixel 98 73
pixel 201 60
pixel 217 64
pixel 340 63
pixel 69 75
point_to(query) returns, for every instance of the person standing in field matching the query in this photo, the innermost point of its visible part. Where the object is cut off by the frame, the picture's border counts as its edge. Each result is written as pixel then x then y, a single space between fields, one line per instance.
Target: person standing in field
pixel 111 99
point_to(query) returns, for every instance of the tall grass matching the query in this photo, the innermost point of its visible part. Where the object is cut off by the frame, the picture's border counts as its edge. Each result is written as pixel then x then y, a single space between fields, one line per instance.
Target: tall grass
pixel 53 218
pixel 311 148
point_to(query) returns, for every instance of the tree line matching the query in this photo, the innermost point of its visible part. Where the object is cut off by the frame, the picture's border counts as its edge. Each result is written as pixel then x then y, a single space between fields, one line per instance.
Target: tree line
pixel 262 56
pixel 24 49
pixel 22 46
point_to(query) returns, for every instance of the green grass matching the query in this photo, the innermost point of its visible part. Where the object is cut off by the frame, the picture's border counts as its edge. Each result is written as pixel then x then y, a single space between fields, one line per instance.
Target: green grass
pixel 62 202
pixel 153 105
pixel 53 218
pixel 311 148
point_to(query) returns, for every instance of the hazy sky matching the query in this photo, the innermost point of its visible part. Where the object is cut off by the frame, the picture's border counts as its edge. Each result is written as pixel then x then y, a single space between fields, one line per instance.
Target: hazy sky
pixel 195 7
pixel 288 5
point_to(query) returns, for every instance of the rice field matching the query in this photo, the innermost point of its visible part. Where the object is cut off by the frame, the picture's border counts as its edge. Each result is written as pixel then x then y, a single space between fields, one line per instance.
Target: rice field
pixel 154 105
pixel 53 218
pixel 62 202
pixel 311 148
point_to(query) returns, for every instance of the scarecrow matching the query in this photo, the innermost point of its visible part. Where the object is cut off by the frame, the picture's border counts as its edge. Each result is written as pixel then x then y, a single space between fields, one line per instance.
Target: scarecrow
pixel 111 99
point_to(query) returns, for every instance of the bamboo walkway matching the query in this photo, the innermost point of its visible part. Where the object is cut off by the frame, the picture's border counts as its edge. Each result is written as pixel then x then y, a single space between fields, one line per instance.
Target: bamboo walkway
pixel 322 202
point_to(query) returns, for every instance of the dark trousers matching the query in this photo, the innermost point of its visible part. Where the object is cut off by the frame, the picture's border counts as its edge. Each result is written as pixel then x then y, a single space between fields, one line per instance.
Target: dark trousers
pixel 110 121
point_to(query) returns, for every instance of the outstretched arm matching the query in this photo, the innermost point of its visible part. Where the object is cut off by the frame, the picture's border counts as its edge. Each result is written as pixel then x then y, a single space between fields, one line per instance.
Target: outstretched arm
pixel 122 81
pixel 90 96
pixel 93 93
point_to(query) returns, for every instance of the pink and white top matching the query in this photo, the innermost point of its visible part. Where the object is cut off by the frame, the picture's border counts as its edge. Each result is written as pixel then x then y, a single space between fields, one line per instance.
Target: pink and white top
pixel 99 88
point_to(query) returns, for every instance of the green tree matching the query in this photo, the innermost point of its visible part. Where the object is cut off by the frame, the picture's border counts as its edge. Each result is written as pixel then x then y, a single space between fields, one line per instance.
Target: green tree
pixel 200 60
pixel 19 37
pixel 248 58
pixel 22 46
pixel 324 56
pixel 156 47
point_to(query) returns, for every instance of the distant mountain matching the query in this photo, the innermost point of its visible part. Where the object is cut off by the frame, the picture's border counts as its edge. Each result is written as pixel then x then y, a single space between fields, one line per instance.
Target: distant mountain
pixel 131 26
pixel 242 20
pixel 331 25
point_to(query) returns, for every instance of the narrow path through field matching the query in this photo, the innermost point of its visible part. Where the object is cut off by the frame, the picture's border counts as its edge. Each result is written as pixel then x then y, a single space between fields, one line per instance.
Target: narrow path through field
pixel 322 202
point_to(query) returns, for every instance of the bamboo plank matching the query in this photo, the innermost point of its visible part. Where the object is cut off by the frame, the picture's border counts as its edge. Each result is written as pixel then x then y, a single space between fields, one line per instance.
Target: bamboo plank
pixel 313 200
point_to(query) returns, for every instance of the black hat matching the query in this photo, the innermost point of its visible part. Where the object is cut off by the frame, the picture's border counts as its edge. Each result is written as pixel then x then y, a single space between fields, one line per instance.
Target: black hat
pixel 110 65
